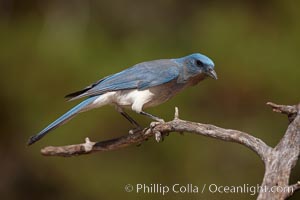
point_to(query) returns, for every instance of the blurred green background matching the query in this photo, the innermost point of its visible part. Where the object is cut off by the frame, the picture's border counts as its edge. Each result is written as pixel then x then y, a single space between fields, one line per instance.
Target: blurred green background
pixel 51 48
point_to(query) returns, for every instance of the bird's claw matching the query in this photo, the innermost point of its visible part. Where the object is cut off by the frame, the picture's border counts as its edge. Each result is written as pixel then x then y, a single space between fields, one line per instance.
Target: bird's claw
pixel 153 124
pixel 158 136
pixel 161 120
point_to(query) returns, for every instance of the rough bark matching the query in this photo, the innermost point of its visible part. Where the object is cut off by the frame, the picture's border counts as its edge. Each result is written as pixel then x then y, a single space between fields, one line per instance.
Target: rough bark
pixel 282 158
pixel 278 161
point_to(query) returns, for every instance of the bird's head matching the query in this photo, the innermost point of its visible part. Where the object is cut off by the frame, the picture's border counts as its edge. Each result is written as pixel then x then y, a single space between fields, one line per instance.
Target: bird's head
pixel 198 64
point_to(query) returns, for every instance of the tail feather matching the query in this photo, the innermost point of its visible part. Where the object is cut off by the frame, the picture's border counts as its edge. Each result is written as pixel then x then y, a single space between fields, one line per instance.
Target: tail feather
pixel 76 94
pixel 61 120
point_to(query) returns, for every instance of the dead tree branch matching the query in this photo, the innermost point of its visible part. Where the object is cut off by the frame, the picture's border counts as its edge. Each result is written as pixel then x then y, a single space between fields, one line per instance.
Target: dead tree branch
pixel 278 161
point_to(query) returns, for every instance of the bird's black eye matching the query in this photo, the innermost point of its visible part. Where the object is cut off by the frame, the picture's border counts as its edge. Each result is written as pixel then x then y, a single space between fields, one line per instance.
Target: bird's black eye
pixel 199 63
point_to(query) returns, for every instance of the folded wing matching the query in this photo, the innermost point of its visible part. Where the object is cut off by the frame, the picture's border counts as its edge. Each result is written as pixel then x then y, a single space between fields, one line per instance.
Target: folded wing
pixel 140 76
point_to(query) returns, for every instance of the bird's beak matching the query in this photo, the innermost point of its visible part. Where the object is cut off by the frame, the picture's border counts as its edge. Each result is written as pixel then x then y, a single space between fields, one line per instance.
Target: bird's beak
pixel 212 73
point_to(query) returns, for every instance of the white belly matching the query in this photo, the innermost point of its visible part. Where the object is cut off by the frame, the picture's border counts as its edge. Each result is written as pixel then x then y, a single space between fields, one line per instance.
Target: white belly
pixel 125 98
pixel 131 97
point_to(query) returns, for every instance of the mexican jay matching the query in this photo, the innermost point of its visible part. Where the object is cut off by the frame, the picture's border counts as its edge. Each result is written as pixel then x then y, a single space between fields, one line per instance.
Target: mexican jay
pixel 143 85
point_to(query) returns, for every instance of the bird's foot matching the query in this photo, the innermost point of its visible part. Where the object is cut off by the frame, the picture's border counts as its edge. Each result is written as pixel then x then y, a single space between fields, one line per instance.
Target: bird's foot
pixel 158 136
pixel 160 120
pixel 153 124
pixel 136 130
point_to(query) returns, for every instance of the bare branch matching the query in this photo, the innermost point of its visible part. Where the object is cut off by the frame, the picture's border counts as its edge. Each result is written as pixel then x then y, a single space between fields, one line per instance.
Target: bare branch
pixel 283 157
pixel 107 145
pixel 176 115
pixel 278 161
pixel 283 108
pixel 290 111
pixel 175 125
pixel 295 187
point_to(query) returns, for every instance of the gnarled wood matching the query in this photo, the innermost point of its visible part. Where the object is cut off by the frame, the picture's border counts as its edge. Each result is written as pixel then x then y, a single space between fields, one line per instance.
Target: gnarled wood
pixel 278 161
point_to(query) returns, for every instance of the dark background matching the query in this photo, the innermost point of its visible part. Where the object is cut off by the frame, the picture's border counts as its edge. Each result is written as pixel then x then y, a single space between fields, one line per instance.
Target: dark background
pixel 51 48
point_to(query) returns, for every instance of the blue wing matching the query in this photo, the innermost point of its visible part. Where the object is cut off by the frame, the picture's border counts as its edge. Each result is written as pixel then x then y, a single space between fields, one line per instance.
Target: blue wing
pixel 140 76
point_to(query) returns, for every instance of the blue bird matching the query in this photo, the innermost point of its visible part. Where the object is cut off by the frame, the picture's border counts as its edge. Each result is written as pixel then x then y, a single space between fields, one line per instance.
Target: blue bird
pixel 143 85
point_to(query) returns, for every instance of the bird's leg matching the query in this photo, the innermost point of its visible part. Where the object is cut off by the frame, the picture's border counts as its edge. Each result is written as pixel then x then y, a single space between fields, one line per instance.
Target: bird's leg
pixel 130 119
pixel 158 135
pixel 152 117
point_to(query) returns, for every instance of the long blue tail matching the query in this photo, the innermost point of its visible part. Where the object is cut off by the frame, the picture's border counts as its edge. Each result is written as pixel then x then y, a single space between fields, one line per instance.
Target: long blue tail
pixel 61 120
